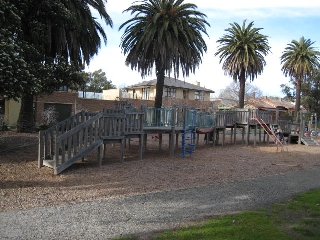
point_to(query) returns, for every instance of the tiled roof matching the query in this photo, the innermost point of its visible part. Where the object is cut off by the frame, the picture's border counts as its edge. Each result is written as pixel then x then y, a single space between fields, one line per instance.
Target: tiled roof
pixel 279 103
pixel 270 103
pixel 171 82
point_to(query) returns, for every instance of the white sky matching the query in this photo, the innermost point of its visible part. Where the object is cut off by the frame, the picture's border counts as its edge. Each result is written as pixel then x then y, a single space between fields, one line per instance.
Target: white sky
pixel 281 20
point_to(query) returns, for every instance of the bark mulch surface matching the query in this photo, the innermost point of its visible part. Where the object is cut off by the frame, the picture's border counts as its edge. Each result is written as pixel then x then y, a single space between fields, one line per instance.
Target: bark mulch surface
pixel 23 185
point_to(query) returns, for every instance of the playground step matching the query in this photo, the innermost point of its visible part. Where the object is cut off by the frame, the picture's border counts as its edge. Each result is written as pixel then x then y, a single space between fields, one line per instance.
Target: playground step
pixel 308 141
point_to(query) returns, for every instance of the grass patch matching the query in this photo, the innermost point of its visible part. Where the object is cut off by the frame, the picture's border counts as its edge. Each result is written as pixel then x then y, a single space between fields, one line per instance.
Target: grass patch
pixel 245 225
pixel 298 218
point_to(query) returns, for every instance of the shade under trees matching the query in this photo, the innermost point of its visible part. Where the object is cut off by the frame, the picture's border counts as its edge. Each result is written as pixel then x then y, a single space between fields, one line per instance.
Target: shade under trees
pixel 300 60
pixel 241 51
pixel 165 35
pixel 53 40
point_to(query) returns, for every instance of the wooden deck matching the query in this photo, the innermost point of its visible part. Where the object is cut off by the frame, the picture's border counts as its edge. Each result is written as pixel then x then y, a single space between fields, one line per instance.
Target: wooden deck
pixel 71 140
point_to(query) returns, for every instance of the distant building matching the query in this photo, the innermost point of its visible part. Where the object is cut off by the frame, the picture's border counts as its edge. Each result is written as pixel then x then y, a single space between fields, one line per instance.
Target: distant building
pixel 173 88
pixel 278 106
pixel 9 111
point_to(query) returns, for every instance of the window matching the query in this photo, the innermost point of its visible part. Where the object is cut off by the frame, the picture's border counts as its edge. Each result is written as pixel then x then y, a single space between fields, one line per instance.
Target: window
pixel 62 89
pixel 198 95
pixel 170 92
pixel 185 94
pixel 145 93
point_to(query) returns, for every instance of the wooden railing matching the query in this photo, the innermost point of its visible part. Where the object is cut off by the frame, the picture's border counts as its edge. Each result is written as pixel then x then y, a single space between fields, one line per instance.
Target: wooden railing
pixel 70 146
pixel 245 116
pixel 65 143
pixel 78 142
pixel 73 138
pixel 158 117
pixel 134 122
pixel 47 137
pixel 229 119
pixel 204 120
pixel 219 119
pixel 174 117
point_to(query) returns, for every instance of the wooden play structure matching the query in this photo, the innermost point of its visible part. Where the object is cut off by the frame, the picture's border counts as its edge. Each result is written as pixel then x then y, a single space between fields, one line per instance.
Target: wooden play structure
pixel 72 139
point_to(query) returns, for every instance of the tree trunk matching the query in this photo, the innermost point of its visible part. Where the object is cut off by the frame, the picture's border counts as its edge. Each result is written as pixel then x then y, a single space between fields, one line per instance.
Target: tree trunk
pixel 26 116
pixel 242 89
pixel 159 88
pixel 298 91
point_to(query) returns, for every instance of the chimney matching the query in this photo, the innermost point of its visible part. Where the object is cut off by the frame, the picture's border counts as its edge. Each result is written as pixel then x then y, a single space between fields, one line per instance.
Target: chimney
pixel 265 97
pixel 254 95
pixel 197 83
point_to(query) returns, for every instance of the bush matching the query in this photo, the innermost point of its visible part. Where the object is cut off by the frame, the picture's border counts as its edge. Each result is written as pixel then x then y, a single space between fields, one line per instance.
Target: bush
pixel 3 125
pixel 49 116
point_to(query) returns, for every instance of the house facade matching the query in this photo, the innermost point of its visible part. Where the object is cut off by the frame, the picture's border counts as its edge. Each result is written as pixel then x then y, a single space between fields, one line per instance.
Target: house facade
pixel 67 103
pixel 173 88
pixel 9 111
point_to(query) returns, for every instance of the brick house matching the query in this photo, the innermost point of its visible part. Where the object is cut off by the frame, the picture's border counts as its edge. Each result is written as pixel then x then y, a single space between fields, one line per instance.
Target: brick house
pixel 279 107
pixel 173 88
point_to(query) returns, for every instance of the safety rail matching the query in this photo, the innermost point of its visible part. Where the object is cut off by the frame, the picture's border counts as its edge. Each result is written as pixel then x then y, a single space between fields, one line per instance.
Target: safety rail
pixel 72 145
pixel 204 120
pixel 47 137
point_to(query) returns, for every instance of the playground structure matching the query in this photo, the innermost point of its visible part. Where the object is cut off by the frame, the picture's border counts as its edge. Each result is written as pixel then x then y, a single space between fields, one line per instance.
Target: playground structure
pixel 72 139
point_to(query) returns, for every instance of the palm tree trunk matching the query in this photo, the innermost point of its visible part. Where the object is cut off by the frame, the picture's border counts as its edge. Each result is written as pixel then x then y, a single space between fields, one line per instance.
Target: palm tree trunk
pixel 159 88
pixel 26 116
pixel 242 89
pixel 298 91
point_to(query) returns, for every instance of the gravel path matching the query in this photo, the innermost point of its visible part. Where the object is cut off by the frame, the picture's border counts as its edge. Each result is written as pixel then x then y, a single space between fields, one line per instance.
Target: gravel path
pixel 142 215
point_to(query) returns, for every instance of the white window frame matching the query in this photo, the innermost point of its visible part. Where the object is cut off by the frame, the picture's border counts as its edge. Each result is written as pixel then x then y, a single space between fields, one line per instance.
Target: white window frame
pixel 146 93
pixel 171 92
pixel 199 95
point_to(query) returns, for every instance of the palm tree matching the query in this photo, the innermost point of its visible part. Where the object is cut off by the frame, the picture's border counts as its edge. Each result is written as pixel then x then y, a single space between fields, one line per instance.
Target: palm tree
pixel 165 34
pixel 243 49
pixel 299 60
pixel 60 33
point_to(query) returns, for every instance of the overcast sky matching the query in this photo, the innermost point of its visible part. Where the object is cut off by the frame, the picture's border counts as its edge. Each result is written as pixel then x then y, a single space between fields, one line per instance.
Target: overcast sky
pixel 281 20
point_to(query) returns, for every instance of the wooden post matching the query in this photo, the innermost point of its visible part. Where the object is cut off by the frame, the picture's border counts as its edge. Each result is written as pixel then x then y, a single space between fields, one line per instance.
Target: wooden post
pixel 140 146
pixel 177 140
pixel 255 135
pixel 247 134
pixel 160 141
pixel 104 150
pixel 122 149
pixel 145 141
pixel 235 133
pixel 223 136
pixel 243 131
pixel 100 155
pixel 198 138
pixel 248 127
